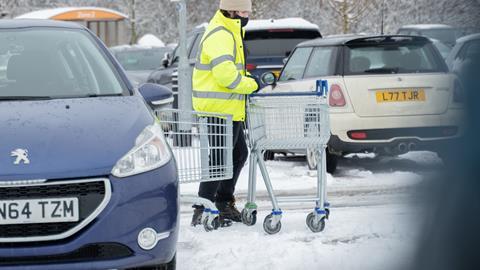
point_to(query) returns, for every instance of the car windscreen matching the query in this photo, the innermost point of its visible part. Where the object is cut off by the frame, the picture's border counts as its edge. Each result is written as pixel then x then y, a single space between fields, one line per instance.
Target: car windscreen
pixel 276 42
pixel 392 57
pixel 141 59
pixel 53 62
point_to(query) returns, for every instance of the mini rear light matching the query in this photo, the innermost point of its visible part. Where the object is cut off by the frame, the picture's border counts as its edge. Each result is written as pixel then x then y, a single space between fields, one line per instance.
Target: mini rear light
pixel 357 135
pixel 251 67
pixel 336 97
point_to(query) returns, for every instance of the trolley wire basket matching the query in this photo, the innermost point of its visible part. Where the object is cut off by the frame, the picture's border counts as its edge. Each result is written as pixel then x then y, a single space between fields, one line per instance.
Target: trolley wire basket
pixel 287 121
pixel 202 144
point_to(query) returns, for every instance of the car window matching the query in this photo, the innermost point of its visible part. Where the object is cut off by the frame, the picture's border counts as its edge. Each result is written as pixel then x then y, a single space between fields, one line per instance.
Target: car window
pixel 190 40
pixel 148 59
pixel 393 57
pixel 55 63
pixel 195 47
pixel 276 43
pixel 321 63
pixel 472 49
pixel 444 35
pixel 295 66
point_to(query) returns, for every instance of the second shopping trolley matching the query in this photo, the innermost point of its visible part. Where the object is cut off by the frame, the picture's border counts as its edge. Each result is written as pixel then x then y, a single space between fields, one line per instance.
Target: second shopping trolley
pixel 202 144
pixel 287 121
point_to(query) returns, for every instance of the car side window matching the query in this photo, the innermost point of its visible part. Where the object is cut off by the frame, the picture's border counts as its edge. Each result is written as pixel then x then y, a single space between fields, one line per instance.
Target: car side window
pixel 321 62
pixel 471 50
pixel 295 67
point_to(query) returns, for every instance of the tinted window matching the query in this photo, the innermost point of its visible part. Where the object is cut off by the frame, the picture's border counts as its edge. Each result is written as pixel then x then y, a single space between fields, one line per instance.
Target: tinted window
pixel 276 43
pixel 148 59
pixel 392 58
pixel 322 62
pixel 56 63
pixel 295 66
pixel 472 49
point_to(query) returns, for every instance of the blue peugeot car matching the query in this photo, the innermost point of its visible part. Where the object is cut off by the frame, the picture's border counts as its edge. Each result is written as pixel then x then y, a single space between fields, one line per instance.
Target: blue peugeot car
pixel 87 180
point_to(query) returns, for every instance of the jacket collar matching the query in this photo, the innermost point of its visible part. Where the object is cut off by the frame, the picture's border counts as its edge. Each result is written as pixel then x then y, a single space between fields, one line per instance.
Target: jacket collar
pixel 233 25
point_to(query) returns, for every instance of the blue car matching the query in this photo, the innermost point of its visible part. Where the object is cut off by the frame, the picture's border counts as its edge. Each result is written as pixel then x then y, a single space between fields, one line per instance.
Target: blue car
pixel 87 180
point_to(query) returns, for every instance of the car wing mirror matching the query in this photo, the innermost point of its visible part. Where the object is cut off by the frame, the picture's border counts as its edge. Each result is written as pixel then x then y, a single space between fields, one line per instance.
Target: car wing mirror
pixel 156 95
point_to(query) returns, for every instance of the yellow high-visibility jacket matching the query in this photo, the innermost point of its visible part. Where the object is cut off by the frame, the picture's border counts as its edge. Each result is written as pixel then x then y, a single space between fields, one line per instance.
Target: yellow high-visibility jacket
pixel 219 79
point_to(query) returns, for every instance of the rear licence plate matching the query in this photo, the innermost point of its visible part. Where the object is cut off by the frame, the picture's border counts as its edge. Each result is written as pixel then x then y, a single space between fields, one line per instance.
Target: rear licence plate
pixel 39 211
pixel 400 95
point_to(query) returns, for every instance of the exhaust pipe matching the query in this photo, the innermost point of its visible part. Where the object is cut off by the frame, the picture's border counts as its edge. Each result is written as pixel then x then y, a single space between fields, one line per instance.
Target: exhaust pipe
pixel 402 148
pixel 412 146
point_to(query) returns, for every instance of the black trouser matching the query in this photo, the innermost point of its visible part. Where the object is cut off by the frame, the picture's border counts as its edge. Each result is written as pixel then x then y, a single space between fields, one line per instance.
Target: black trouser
pixel 221 191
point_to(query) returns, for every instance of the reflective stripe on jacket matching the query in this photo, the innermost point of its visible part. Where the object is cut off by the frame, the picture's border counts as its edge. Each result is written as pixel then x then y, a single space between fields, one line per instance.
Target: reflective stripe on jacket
pixel 219 78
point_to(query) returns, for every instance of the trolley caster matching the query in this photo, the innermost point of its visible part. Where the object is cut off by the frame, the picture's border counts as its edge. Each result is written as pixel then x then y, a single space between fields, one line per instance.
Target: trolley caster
pixel 211 225
pixel 315 225
pixel 269 227
pixel 249 218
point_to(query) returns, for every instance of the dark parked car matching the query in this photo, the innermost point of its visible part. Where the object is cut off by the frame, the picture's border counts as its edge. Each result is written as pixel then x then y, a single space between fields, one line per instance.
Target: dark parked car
pixel 466 49
pixel 139 61
pixel 269 43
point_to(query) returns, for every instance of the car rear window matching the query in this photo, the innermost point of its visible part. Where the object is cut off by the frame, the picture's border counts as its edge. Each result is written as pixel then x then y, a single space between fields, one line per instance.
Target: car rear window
pixel 392 57
pixel 148 59
pixel 276 42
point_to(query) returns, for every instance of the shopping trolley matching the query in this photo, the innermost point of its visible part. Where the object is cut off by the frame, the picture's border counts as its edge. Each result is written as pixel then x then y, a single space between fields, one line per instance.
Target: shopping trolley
pixel 202 144
pixel 287 121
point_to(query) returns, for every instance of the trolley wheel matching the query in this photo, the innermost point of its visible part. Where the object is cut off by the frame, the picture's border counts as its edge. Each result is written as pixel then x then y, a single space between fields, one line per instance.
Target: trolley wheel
pixel 269 228
pixel 315 226
pixel 249 219
pixel 211 225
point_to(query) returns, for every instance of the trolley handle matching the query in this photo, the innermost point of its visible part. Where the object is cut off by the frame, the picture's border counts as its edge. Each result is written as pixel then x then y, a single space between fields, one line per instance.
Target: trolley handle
pixel 286 94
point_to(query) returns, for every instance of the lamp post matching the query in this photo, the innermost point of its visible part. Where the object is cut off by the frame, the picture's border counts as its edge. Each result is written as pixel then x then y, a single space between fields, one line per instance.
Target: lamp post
pixel 184 80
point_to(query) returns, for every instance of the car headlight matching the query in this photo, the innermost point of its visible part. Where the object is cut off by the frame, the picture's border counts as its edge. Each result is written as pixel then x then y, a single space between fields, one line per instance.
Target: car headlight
pixel 150 152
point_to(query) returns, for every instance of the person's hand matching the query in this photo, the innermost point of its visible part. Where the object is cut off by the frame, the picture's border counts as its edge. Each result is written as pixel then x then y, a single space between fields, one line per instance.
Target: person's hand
pixel 257 80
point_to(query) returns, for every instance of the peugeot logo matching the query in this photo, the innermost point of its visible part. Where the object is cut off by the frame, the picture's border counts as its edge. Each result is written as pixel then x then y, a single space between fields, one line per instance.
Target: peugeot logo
pixel 21 156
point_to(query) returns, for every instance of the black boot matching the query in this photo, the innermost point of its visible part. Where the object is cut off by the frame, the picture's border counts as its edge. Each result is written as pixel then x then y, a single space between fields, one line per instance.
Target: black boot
pixel 197 215
pixel 229 211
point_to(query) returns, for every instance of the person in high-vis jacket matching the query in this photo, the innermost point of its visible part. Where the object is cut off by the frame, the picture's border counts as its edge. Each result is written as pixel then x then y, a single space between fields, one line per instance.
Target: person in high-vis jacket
pixel 220 84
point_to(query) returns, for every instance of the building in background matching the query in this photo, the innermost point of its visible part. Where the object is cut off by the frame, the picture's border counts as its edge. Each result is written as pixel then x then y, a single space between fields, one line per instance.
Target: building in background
pixel 109 25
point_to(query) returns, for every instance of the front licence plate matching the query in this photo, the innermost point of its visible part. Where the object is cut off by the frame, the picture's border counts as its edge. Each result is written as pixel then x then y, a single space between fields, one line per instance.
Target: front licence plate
pixel 39 211
pixel 400 95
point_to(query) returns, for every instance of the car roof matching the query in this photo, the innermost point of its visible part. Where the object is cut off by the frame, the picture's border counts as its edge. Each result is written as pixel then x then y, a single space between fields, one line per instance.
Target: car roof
pixel 293 23
pixel 255 25
pixel 426 26
pixel 27 23
pixel 354 39
pixel 468 38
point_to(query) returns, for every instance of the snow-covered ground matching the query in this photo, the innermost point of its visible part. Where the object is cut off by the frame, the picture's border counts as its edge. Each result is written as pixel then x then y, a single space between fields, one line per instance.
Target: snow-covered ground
pixel 374 223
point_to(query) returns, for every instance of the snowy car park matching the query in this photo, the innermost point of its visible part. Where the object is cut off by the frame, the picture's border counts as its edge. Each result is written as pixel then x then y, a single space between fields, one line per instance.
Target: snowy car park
pixel 374 208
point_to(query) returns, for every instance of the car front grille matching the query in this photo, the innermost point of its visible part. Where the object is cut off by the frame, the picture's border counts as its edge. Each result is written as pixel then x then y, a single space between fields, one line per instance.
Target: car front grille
pixel 93 252
pixel 92 194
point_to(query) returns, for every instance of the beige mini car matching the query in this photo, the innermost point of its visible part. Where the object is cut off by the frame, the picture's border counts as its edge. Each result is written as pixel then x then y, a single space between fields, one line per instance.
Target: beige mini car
pixel 387 94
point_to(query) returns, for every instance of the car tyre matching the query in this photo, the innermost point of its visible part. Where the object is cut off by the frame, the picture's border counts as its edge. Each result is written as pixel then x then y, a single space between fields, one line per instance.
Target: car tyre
pixel 332 161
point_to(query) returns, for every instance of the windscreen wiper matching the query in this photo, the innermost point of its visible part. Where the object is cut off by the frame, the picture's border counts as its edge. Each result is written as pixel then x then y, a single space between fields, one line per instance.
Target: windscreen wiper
pixel 10 98
pixel 101 95
pixel 382 70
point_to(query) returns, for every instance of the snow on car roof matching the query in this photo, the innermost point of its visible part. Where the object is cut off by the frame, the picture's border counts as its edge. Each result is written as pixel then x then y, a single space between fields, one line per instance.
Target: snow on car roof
pixel 427 26
pixel 49 13
pixel 296 23
pixel 468 38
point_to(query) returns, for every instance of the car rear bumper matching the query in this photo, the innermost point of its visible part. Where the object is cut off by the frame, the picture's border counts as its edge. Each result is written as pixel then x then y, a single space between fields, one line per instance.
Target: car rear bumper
pixel 147 200
pixel 387 134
